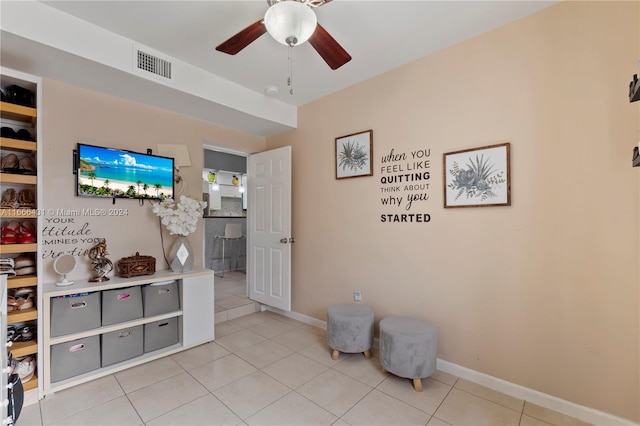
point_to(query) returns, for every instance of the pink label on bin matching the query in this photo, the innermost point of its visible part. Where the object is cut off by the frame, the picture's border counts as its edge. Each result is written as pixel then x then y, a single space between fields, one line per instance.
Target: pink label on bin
pixel 123 296
pixel 76 348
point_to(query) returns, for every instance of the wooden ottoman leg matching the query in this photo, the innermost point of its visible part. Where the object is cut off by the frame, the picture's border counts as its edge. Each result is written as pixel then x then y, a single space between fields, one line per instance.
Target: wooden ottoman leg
pixel 335 354
pixel 384 370
pixel 417 385
pixel 367 353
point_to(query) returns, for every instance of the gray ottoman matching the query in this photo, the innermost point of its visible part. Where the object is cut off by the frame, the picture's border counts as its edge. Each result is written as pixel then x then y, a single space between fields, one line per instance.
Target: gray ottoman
pixel 408 348
pixel 350 329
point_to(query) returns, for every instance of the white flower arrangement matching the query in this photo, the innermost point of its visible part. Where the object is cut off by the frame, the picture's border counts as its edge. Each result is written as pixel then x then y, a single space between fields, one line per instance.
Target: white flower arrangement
pixel 181 218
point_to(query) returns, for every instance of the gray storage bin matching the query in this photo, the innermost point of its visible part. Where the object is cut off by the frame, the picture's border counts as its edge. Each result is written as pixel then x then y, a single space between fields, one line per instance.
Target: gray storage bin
pixel 121 345
pixel 121 304
pixel 160 334
pixel 75 313
pixel 160 298
pixel 76 357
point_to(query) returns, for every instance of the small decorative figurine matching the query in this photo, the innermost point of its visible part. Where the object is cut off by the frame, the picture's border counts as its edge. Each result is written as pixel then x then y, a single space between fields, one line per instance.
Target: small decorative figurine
pixel 99 261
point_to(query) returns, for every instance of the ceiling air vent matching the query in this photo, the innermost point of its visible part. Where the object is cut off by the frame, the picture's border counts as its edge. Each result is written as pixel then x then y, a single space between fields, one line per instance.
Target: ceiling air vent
pixel 153 64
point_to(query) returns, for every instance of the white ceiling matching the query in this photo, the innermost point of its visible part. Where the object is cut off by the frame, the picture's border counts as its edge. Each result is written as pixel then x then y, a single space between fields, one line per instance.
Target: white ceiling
pixel 379 35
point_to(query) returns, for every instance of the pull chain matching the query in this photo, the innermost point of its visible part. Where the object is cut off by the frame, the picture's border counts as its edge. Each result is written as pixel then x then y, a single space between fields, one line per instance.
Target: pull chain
pixel 290 78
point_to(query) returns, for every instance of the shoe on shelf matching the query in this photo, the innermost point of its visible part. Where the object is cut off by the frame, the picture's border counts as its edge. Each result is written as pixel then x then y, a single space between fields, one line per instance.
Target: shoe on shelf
pixel 6 266
pixel 18 303
pixel 24 264
pixel 25 367
pixel 26 199
pixel 23 292
pixel 7 270
pixel 10 233
pixel 24 135
pixel 26 165
pixel 26 270
pixel 19 95
pixel 23 260
pixel 9 163
pixel 8 132
pixel 7 261
pixel 11 334
pixel 27 233
pixel 20 299
pixel 9 199
pixel 22 331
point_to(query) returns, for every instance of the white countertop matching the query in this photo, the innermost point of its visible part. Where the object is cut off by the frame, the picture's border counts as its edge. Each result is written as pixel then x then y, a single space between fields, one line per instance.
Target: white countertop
pixel 83 285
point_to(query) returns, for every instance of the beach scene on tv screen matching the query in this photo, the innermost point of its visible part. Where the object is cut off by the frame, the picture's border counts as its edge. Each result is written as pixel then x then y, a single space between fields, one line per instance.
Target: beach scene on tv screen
pixel 105 172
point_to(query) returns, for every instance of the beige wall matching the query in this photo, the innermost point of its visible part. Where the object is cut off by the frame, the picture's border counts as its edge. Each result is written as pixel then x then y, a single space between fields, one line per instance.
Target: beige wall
pixel 543 293
pixel 71 115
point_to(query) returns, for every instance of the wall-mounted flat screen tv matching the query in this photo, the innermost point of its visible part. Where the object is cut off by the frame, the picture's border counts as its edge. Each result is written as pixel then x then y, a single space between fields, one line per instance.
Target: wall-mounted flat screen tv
pixel 117 173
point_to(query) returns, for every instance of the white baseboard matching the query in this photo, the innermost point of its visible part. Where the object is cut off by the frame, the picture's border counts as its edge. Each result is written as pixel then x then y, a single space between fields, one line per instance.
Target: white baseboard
pixel 300 317
pixel 571 409
pixel 580 412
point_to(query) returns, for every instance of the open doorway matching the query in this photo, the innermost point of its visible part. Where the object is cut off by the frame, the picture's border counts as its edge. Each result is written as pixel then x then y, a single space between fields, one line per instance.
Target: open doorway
pixel 224 183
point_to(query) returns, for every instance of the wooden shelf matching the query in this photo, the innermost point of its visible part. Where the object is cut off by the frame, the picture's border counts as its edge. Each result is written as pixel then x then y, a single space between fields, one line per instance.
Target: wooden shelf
pixel 22 281
pixel 18 248
pixel 19 349
pixel 21 316
pixel 19 213
pixel 18 144
pixel 18 178
pixel 31 384
pixel 17 112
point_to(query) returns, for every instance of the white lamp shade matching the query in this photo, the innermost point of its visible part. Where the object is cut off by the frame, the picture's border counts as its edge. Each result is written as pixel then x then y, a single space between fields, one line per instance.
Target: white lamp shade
pixel 290 22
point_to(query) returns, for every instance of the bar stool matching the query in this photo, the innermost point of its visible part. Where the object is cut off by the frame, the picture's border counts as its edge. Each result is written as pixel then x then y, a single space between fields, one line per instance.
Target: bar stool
pixel 232 232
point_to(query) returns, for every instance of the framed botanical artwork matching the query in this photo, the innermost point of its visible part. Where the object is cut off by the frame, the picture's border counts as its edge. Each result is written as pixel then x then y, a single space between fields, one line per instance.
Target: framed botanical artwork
pixel 354 155
pixel 478 177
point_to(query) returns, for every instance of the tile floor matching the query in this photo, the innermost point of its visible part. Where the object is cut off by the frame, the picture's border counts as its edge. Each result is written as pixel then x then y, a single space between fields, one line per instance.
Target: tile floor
pixel 231 297
pixel 267 369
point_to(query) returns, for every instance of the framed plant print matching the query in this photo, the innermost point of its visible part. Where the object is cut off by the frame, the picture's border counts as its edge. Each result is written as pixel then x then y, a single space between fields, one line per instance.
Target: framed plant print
pixel 478 177
pixel 354 155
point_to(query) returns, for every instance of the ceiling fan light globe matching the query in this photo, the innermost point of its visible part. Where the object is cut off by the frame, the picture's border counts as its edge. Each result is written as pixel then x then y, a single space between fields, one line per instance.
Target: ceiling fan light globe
pixel 290 22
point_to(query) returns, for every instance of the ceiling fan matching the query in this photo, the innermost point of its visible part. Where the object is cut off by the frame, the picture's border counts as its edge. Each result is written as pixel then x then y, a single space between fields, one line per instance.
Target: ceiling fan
pixel 291 22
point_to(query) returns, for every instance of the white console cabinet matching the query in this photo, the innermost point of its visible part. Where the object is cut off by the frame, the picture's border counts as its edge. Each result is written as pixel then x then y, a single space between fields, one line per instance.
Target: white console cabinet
pixel 195 320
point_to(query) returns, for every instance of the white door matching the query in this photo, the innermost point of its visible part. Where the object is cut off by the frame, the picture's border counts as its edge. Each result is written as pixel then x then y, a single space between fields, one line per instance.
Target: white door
pixel 269 228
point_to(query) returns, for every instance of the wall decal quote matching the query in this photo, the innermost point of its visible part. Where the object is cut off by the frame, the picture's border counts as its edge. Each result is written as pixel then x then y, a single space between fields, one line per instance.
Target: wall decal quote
pixel 405 185
pixel 68 231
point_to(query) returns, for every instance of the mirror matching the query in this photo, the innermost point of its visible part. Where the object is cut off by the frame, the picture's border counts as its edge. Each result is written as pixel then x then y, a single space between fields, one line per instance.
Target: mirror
pixel 63 265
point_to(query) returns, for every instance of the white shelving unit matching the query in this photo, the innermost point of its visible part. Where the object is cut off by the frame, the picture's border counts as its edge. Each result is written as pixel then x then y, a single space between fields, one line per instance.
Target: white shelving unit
pixel 195 320
pixel 20 117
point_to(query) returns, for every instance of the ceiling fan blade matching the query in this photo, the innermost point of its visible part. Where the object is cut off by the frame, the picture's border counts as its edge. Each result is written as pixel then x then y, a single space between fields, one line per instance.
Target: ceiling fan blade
pixel 328 48
pixel 244 38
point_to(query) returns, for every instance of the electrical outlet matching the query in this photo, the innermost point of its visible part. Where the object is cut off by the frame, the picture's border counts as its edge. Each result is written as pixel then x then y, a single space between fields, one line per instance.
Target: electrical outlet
pixel 357 296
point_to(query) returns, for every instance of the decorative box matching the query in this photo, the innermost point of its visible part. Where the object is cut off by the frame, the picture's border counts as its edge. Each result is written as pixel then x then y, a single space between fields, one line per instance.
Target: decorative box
pixel 134 266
